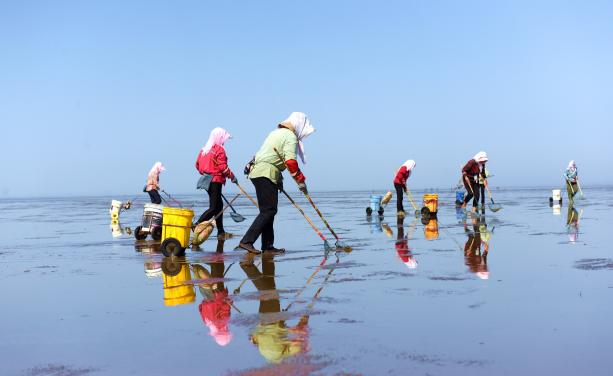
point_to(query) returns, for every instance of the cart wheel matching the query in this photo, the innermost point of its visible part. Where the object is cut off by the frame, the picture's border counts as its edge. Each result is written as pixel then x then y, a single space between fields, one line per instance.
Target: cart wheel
pixel 368 211
pixel 171 247
pixel 157 233
pixel 425 211
pixel 381 211
pixel 138 234
pixel 171 266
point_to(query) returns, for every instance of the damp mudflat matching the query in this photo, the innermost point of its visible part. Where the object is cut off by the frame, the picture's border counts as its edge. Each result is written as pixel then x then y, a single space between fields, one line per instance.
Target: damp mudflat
pixel 412 298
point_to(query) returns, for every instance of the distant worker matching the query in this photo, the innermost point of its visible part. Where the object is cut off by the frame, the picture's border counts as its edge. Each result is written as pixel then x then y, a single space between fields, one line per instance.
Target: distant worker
pixel 265 174
pixel 483 175
pixel 572 181
pixel 153 183
pixel 400 183
pixel 212 164
pixel 470 173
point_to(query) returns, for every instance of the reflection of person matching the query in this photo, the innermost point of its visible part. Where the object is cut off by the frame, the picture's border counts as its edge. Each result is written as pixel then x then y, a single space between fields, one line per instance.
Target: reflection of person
pixel 215 308
pixel 572 180
pixel 212 160
pixel 153 183
pixel 474 258
pixel 265 174
pixel 572 224
pixel 400 183
pixel 274 339
pixel 402 246
pixel 470 171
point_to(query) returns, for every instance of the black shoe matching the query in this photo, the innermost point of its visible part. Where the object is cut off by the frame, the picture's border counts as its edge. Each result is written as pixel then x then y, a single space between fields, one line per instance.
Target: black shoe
pixel 249 248
pixel 274 250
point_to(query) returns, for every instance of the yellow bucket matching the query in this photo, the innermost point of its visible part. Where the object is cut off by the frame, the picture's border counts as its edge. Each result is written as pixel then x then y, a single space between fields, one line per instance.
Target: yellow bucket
pixel 177 223
pixel 431 230
pixel 178 289
pixel 431 202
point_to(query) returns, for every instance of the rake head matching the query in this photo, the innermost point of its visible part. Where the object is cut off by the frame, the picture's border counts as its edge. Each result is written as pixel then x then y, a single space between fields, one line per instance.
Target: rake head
pixel 494 207
pixel 237 217
pixel 327 248
pixel 343 246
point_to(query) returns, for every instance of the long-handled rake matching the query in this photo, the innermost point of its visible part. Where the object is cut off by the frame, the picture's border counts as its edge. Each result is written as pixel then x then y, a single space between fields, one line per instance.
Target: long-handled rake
pixel 172 198
pixel 339 242
pixel 234 214
pixel 247 195
pixel 410 197
pixel 327 247
pixel 493 206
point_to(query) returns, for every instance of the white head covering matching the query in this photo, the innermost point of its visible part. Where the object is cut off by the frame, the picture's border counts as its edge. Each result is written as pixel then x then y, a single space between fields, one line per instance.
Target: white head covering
pixel 218 136
pixel 410 164
pixel 480 157
pixel 572 165
pixel 302 128
pixel 157 168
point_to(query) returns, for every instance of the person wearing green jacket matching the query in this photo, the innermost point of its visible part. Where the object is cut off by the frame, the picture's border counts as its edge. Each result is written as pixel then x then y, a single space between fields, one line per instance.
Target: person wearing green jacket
pixel 265 174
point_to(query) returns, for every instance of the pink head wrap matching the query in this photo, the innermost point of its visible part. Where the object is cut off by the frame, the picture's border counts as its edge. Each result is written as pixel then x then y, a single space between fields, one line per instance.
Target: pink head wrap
pixel 216 316
pixel 218 136
pixel 157 168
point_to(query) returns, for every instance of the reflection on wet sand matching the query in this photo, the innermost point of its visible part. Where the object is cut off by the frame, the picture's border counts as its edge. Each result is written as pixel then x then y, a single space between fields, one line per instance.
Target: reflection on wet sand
pixel 216 306
pixel 275 340
pixel 478 237
pixel 402 244
pixel 572 223
pixel 177 279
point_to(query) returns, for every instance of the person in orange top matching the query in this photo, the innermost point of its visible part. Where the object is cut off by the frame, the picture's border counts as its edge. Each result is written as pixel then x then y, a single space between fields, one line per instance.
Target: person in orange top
pixel 400 183
pixel 212 160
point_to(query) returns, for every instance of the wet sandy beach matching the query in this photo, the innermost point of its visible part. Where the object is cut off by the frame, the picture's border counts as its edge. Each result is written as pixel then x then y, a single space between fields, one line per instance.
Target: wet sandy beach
pixel 412 298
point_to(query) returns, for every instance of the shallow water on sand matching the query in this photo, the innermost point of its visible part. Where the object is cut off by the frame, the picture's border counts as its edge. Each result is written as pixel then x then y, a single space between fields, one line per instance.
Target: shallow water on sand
pixel 410 298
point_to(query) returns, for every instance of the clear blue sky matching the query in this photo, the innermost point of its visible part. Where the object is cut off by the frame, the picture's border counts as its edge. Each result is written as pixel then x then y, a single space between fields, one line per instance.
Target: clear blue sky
pixel 92 93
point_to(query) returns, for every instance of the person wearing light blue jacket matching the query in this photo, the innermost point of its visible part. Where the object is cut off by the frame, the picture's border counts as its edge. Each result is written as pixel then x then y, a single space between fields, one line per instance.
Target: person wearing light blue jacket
pixel 572 180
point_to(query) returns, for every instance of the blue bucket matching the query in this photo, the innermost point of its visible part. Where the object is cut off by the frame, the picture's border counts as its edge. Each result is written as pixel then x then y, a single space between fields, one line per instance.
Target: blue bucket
pixel 459 196
pixel 375 202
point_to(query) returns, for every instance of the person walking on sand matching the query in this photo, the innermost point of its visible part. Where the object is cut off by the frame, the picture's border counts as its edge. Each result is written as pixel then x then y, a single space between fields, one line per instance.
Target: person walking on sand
pixel 400 183
pixel 572 180
pixel 471 169
pixel 153 183
pixel 265 174
pixel 212 164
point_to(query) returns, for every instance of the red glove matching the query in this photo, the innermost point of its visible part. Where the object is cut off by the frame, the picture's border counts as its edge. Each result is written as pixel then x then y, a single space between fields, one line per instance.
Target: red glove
pixel 294 170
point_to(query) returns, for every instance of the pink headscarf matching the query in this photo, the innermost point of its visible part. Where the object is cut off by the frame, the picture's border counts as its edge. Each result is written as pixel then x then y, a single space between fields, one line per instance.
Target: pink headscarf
pixel 216 316
pixel 157 168
pixel 218 136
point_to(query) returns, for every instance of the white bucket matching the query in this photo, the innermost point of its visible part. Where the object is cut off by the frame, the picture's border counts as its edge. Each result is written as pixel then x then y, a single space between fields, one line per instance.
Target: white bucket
pixel 114 210
pixel 116 229
pixel 154 208
pixel 556 209
pixel 556 194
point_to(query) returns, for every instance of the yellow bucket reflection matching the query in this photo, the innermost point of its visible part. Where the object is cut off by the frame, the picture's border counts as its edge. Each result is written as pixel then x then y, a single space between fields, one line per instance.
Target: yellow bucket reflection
pixel 431 229
pixel 178 288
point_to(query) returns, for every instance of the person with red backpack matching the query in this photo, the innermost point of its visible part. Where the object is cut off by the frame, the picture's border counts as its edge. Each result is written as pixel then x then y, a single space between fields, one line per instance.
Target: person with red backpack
pixel 212 164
